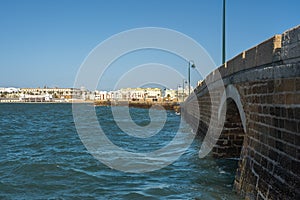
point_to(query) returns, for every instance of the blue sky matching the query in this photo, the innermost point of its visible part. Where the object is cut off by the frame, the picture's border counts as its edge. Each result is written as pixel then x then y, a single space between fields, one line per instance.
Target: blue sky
pixel 44 42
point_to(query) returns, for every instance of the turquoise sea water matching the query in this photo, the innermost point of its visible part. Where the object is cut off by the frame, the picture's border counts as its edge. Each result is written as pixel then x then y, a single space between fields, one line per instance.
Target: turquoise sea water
pixel 42 157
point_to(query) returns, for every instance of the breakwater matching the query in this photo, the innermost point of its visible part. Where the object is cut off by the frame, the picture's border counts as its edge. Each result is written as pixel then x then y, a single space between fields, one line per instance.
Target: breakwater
pixel 260 104
pixel 135 104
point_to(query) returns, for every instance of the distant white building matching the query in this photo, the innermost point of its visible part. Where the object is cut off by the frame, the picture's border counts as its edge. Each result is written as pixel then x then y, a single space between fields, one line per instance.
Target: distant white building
pixel 182 93
pixel 9 90
pixel 62 93
pixel 98 95
pixel 35 98
pixel 137 94
pixel 114 95
pixel 153 94
pixel 170 94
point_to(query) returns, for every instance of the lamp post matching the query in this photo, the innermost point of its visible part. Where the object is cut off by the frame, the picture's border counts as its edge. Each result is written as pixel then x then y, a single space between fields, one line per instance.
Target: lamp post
pixel 178 86
pixel 223 33
pixel 191 65
pixel 183 81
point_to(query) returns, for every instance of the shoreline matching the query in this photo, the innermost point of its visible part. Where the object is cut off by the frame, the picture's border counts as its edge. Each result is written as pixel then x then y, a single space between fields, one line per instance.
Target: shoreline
pixel 146 105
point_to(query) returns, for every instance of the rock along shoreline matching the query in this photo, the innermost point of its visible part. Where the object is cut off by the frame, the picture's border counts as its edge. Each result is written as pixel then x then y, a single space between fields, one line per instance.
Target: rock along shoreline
pixel 146 105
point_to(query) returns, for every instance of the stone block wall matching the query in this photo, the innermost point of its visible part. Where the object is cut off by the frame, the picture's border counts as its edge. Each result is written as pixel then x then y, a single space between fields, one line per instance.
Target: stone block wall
pixel 267 78
pixel 230 142
pixel 269 166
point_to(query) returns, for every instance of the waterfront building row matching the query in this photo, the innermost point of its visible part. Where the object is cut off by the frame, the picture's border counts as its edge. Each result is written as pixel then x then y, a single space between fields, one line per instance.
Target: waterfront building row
pixel 69 94
pixel 140 94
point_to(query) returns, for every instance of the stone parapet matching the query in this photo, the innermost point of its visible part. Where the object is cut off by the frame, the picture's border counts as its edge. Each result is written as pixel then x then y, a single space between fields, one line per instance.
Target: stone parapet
pixel 262 117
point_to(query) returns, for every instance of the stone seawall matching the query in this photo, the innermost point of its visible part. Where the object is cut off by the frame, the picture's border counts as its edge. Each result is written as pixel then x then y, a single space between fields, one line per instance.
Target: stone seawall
pixel 262 116
pixel 155 105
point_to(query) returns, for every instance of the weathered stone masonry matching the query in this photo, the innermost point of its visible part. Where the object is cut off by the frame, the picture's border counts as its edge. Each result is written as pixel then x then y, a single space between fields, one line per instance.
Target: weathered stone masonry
pixel 262 120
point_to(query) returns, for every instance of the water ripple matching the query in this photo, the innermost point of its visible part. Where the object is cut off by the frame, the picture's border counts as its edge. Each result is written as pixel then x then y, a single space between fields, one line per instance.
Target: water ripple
pixel 42 157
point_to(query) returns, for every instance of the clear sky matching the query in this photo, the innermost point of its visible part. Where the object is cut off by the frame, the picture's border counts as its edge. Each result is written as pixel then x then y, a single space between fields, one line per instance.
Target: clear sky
pixel 44 42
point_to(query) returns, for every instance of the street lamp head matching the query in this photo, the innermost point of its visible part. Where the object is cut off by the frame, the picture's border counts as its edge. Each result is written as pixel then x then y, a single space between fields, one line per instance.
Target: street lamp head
pixel 192 64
